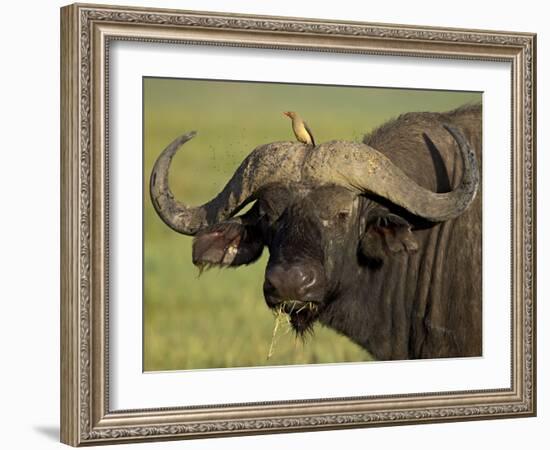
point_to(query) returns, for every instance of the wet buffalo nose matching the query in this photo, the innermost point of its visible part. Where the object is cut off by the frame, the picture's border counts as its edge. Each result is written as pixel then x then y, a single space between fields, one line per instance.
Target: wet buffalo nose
pixel 297 282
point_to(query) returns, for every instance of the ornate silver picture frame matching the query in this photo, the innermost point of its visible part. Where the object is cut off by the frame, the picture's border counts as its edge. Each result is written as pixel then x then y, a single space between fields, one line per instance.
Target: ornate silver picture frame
pixel 87 413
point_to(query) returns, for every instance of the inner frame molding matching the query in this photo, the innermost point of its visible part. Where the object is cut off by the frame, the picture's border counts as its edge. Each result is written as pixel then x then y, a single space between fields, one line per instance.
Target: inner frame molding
pixel 86 33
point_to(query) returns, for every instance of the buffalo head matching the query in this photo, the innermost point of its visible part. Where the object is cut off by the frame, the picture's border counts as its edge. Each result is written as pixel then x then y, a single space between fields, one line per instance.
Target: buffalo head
pixel 325 214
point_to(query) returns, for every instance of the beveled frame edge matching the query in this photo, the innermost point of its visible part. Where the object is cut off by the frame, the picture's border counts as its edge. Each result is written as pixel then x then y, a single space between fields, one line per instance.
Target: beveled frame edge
pixel 85 34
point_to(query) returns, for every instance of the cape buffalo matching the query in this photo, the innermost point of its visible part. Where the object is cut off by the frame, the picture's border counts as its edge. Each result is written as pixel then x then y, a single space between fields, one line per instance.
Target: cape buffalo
pixel 379 240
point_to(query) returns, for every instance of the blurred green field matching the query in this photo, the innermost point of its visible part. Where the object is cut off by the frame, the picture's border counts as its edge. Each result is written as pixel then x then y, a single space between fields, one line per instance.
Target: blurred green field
pixel 220 319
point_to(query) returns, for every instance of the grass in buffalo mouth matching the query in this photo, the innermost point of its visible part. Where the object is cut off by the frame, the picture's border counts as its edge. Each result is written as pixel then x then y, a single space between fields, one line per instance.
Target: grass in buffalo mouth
pixel 295 315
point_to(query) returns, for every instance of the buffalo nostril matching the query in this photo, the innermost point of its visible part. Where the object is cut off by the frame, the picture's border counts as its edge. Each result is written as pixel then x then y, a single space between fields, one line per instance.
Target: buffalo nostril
pixel 274 278
pixel 297 282
pixel 269 287
pixel 308 278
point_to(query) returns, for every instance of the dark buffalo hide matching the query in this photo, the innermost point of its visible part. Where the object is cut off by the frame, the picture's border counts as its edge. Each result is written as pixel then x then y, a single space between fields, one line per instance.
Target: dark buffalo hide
pixel 399 284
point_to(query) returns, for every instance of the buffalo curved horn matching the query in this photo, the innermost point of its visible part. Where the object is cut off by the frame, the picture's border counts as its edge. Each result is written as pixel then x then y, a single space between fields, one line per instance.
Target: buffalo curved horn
pixel 264 165
pixel 366 170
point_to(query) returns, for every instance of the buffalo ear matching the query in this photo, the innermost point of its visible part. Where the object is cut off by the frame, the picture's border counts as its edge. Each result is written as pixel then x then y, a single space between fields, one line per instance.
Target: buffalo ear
pixel 385 235
pixel 227 244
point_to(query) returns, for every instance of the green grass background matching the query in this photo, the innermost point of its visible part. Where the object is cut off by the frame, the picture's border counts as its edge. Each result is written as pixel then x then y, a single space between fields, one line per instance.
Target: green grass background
pixel 220 319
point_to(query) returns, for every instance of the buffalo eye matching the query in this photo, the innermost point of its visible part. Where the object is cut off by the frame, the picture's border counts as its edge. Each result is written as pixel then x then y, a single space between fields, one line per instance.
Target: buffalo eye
pixel 342 216
pixel 335 219
pixel 265 209
pixel 270 210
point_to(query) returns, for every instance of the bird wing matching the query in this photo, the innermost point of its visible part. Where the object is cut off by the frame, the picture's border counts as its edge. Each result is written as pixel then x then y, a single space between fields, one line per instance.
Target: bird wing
pixel 310 133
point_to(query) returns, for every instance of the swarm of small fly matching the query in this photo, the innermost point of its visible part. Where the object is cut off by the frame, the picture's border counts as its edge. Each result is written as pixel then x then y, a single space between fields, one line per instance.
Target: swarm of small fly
pixel 292 315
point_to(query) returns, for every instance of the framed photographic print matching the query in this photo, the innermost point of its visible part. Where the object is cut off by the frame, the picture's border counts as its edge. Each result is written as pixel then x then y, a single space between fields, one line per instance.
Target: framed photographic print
pixel 275 224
